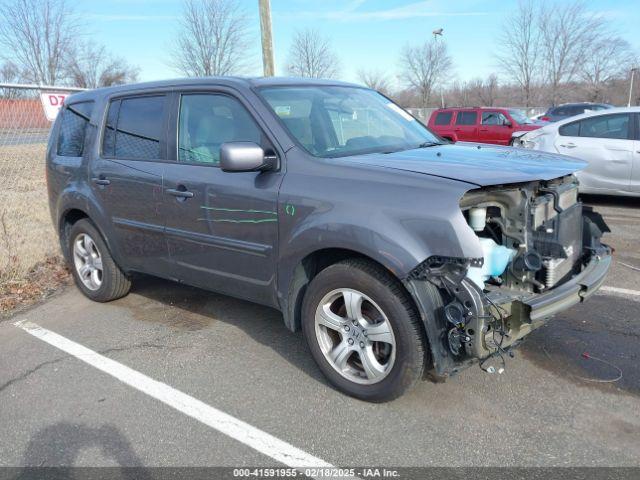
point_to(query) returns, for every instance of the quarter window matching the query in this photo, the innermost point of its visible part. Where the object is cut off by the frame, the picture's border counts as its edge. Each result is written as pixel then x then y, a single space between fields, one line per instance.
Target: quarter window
pixel 134 128
pixel 466 118
pixel 443 118
pixel 207 121
pixel 73 128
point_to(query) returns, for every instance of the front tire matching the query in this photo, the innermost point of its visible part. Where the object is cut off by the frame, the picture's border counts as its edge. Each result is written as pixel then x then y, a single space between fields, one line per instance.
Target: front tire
pixel 363 331
pixel 94 270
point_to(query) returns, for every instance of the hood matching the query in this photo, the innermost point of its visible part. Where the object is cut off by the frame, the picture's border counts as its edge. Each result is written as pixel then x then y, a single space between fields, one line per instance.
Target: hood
pixel 478 164
pixel 525 127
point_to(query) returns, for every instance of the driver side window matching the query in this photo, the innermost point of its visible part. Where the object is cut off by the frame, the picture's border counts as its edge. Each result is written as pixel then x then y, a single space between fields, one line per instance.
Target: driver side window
pixel 209 120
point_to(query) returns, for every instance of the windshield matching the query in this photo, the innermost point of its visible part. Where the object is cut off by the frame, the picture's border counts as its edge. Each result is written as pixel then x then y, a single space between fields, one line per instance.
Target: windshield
pixel 341 121
pixel 520 117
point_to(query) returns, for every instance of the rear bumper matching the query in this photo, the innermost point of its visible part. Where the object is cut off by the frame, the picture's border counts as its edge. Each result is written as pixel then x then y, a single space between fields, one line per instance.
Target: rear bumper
pixel 583 285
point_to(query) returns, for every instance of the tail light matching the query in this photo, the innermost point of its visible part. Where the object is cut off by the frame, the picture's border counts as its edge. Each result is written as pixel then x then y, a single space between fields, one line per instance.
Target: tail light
pixel 545 119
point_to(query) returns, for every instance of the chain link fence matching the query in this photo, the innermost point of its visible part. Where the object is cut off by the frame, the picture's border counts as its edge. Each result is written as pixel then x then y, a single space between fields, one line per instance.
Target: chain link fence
pixel 26 232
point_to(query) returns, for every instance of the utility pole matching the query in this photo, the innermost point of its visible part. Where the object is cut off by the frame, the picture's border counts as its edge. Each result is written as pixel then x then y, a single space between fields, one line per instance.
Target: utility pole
pixel 267 42
pixel 438 33
pixel 633 71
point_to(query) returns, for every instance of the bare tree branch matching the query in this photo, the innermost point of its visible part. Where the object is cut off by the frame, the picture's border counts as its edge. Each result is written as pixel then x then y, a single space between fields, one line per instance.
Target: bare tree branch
pixel 37 35
pixel 311 55
pixel 375 79
pixel 519 52
pixel 90 66
pixel 569 32
pixel 425 67
pixel 608 58
pixel 212 40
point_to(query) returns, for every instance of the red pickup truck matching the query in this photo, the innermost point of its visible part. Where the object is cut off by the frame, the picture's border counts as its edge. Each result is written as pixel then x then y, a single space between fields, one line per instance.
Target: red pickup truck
pixel 482 124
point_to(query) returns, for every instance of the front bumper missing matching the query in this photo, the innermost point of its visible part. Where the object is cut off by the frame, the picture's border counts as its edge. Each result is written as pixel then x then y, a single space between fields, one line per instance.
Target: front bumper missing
pixel 582 286
pixel 524 312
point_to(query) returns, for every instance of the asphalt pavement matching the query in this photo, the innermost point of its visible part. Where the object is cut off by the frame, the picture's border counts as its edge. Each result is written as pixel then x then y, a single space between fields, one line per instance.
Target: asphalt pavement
pixel 166 349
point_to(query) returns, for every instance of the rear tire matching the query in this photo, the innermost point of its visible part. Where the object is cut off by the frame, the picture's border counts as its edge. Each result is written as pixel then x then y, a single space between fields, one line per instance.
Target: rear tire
pixel 94 270
pixel 363 331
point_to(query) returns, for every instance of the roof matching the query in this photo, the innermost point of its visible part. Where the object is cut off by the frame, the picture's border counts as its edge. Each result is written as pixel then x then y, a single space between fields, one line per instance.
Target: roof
pixel 608 111
pixel 247 82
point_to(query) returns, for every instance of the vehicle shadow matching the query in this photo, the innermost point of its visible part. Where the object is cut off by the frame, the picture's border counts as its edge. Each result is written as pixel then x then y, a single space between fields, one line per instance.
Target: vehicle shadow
pixel 59 446
pixel 190 309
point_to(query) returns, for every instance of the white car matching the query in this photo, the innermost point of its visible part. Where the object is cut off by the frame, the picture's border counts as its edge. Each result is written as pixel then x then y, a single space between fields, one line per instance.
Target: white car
pixel 609 140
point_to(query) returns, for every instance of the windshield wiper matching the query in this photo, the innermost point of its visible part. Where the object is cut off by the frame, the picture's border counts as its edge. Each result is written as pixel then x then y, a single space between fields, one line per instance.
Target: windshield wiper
pixel 429 144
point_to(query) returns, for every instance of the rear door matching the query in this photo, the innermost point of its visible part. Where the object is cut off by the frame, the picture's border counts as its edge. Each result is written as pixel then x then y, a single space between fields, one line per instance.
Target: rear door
pixel 127 178
pixel 466 125
pixel 221 227
pixel 442 124
pixel 494 128
pixel 605 142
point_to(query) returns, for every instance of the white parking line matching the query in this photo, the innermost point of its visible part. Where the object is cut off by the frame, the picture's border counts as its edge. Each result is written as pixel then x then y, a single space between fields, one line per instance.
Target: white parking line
pixel 621 291
pixel 194 408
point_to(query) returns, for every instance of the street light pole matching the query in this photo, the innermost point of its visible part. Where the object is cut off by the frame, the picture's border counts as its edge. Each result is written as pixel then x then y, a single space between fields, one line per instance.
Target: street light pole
pixel 633 71
pixel 267 41
pixel 438 33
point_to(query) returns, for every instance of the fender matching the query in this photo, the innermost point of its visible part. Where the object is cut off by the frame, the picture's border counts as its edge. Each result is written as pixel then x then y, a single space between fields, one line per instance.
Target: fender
pixel 78 196
pixel 417 216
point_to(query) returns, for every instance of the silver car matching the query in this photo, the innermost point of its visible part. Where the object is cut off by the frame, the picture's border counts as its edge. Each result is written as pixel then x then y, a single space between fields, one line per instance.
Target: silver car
pixel 609 141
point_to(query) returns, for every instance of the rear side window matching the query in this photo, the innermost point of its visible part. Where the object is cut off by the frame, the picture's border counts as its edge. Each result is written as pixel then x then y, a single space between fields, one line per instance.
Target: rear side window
pixel 466 118
pixel 134 128
pixel 73 128
pixel 443 118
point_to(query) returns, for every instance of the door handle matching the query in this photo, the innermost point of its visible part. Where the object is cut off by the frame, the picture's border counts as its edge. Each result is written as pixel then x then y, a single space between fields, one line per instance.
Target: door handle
pixel 568 145
pixel 101 181
pixel 180 192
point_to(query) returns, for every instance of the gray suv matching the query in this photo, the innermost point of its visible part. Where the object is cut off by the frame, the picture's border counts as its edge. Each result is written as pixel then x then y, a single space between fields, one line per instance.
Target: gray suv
pixel 397 255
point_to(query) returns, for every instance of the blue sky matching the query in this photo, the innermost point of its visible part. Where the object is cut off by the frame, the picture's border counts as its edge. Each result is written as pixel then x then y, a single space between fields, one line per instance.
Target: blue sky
pixel 364 33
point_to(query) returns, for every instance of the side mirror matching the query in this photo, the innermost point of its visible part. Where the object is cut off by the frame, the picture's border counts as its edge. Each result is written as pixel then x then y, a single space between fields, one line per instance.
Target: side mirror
pixel 507 123
pixel 243 157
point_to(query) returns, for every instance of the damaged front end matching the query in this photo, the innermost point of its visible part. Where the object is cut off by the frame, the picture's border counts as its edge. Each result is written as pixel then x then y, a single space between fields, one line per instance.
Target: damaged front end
pixel 541 254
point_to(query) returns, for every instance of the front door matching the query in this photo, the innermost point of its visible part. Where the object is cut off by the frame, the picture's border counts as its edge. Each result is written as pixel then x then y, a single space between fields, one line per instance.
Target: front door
pixel 127 178
pixel 221 227
pixel 494 128
pixel 603 141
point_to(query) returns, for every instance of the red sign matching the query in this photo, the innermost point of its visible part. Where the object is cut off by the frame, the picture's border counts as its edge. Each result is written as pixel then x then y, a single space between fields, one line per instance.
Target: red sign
pixel 52 103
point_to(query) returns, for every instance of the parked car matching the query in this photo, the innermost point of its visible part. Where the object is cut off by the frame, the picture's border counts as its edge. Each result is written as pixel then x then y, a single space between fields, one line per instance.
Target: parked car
pixel 499 126
pixel 567 110
pixel 390 250
pixel 608 140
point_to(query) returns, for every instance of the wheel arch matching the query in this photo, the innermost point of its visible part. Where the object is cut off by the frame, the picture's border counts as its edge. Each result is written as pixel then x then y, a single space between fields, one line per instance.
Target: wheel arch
pixel 312 264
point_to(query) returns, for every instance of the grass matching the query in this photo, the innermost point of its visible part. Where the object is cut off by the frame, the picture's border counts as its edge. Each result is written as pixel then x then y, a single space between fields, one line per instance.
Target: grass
pixel 27 237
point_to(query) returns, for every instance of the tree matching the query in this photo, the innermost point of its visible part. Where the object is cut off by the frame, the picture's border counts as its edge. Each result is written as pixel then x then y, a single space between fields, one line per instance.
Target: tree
pixel 569 32
pixel 425 66
pixel 519 53
pixel 37 36
pixel 212 40
pixel 91 66
pixel 609 58
pixel 9 73
pixel 375 79
pixel 311 55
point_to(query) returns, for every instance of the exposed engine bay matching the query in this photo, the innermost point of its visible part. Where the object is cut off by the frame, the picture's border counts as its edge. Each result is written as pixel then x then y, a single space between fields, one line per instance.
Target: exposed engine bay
pixel 537 240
